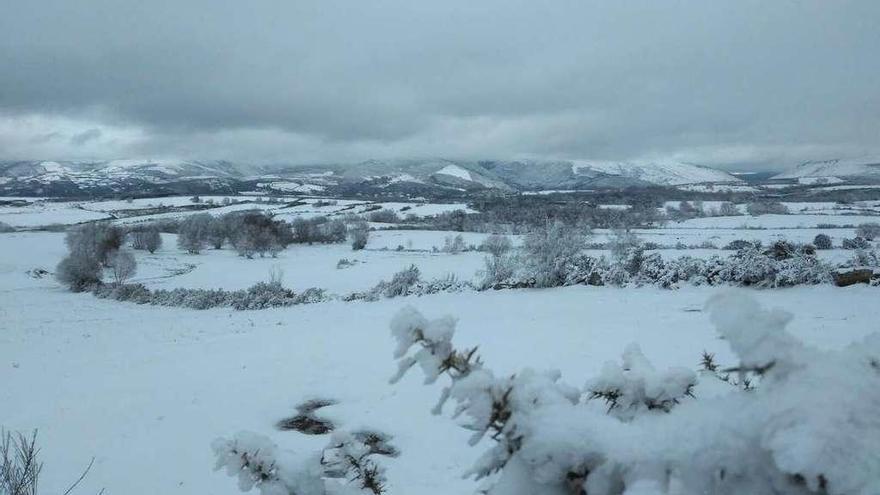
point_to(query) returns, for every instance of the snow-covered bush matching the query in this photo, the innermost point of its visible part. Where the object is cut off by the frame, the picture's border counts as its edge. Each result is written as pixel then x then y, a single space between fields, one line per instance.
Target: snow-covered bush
pixel 809 426
pixel 737 244
pixel 453 245
pixel 766 207
pixel 383 216
pixel 399 285
pixel 500 271
pixel 856 243
pixel 6 228
pixel 822 241
pixel 360 234
pixel 79 271
pixel 546 252
pixel 622 242
pixel 496 245
pixel 344 467
pixel 449 283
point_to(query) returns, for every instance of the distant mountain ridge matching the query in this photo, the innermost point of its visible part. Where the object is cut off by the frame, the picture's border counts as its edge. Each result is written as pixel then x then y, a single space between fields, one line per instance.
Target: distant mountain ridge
pixel 403 176
pixel 867 167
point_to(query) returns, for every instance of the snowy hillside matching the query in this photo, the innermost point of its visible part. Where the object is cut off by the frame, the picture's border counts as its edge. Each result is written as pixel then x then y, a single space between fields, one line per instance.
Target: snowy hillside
pixel 404 177
pixel 666 173
pixel 867 167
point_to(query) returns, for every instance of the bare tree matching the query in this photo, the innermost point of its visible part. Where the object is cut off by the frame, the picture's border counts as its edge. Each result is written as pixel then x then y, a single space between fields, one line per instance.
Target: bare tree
pixel 123 266
pixel 360 234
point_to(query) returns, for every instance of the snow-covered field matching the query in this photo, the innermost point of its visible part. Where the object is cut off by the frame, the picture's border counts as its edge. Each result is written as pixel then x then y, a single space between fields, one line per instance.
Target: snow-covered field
pixel 144 390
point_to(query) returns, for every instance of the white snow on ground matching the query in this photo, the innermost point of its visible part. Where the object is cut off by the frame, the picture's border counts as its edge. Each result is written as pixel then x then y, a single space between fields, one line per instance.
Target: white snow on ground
pixel 819 180
pixel 47 213
pixel 774 221
pixel 146 389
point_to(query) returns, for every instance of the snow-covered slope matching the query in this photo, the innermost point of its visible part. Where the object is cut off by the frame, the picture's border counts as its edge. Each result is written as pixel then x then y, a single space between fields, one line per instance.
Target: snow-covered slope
pixel 411 177
pixel 867 167
pixel 661 173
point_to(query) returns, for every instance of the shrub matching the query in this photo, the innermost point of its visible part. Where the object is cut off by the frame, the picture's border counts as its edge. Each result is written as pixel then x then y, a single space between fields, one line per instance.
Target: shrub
pixel 545 436
pixel 383 216
pixel 822 241
pixel 6 228
pixel 766 207
pixel 499 272
pixel 855 243
pixel 360 234
pixel 79 271
pixel 738 244
pixel 453 245
pixel 496 245
pixel 546 251
pixel 728 209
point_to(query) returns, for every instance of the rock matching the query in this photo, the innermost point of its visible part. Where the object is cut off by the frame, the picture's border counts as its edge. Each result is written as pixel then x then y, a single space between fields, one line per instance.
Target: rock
pixel 857 276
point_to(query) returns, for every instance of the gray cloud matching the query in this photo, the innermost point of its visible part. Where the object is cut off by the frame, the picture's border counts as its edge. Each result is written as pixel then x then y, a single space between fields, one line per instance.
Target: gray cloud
pixel 735 84
pixel 84 137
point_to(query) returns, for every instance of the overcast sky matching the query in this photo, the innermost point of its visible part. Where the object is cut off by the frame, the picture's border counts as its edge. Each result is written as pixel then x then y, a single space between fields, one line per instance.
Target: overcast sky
pixel 739 84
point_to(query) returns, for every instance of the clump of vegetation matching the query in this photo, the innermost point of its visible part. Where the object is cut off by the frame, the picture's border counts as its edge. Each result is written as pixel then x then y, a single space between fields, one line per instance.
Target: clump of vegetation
pixel 360 233
pixel 766 208
pixel 822 241
pixel 146 238
pixel 856 243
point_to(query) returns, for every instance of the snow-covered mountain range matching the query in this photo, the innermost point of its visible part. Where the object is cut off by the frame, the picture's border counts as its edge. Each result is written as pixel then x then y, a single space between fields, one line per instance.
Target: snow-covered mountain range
pixel 866 168
pixel 392 176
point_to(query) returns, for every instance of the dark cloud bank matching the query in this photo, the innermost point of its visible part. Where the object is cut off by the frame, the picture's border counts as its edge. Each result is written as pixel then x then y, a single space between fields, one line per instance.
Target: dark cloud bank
pixel 734 84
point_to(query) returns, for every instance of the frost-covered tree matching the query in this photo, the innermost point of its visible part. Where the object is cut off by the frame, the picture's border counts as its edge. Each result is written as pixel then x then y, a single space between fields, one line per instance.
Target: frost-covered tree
pixel 360 234
pixel 90 247
pixel 822 241
pixel 193 233
pixel 546 251
pixel 146 238
pixel 453 245
pixel 97 239
pixel 728 209
pixel 496 245
pixel 79 271
pixel 217 232
pixel 123 266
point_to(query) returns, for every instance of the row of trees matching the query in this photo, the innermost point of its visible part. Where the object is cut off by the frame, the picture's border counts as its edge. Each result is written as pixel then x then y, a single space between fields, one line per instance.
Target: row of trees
pixel 257 232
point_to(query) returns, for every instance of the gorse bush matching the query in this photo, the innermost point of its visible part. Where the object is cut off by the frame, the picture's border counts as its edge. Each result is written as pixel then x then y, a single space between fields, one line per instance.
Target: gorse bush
pixel 546 438
pixel 785 419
